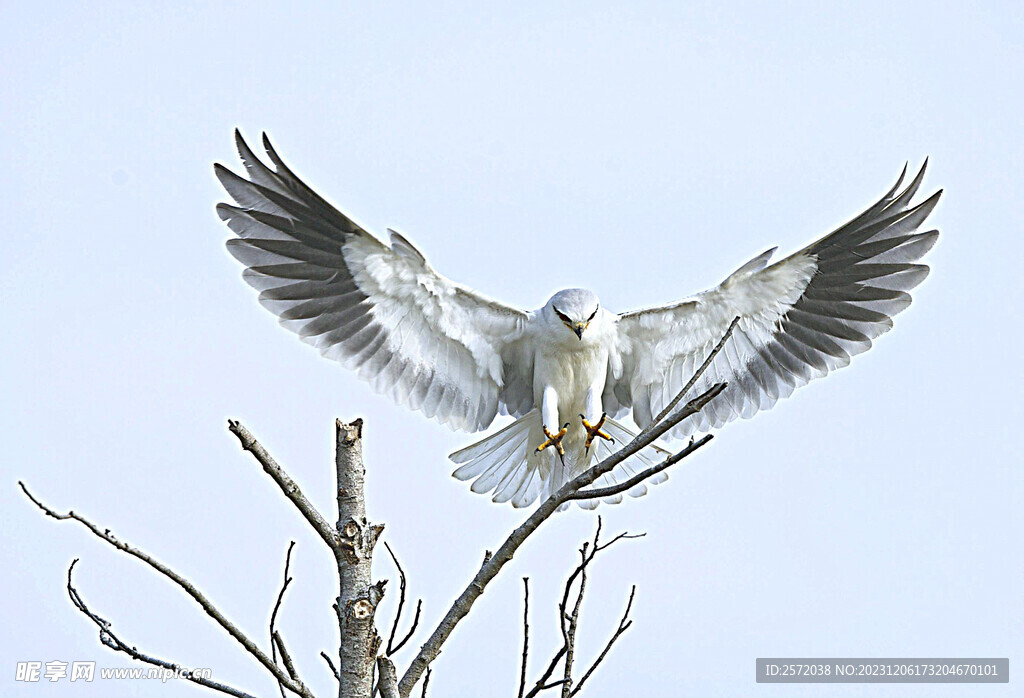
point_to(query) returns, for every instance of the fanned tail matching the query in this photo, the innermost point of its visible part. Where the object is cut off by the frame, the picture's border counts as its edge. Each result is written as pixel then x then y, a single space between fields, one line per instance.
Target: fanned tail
pixel 502 463
pixel 508 464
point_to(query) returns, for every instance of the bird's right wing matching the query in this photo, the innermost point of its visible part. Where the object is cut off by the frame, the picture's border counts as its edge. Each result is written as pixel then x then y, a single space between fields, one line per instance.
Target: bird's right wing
pixel 382 310
pixel 799 318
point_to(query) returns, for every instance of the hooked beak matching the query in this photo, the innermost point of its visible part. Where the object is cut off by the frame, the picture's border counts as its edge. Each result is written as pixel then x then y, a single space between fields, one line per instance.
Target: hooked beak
pixel 578 328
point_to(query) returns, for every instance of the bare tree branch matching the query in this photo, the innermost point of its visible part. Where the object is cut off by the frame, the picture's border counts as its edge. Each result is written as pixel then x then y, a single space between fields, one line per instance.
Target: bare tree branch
pixel 622 536
pixel 569 622
pixel 401 603
pixel 330 665
pixel 553 684
pixel 109 638
pixel 526 634
pixel 569 632
pixel 188 587
pixel 541 685
pixel 388 677
pixel 623 627
pixel 640 477
pixel 493 564
pixel 277 607
pixel 286 658
pixel 284 481
pixel 426 682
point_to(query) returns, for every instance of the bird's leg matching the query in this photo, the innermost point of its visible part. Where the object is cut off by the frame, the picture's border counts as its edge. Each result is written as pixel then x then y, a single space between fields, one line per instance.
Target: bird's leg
pixel 554 439
pixel 594 430
pixel 549 415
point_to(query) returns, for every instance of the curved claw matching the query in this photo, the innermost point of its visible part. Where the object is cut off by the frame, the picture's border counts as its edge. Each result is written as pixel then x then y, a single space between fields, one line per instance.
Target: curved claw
pixel 594 430
pixel 554 439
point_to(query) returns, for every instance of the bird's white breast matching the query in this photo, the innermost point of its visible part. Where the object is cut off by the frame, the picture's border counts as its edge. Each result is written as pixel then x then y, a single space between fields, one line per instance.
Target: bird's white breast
pixel 574 369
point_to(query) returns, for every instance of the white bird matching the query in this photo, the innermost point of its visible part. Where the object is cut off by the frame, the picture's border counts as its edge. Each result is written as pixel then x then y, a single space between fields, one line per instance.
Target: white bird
pixel 564 372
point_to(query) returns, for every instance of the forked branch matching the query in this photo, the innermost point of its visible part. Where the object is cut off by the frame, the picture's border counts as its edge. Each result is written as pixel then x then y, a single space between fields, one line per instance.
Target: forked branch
pixel 393 648
pixel 109 638
pixel 105 535
pixel 285 482
pixel 275 639
pixel 569 624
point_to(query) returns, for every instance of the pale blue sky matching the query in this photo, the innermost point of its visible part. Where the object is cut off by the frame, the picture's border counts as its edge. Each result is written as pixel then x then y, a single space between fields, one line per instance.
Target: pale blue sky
pixel 642 151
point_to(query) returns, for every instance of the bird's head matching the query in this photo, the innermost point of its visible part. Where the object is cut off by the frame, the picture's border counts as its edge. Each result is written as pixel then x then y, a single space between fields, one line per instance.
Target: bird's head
pixel 575 308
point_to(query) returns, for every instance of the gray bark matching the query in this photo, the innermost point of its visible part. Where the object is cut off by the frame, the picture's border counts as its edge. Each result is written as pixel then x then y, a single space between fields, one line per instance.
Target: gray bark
pixel 357 595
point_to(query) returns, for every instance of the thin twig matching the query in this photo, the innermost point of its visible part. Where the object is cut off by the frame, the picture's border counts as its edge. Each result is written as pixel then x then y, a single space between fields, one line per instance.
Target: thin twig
pixel 621 536
pixel 398 613
pixel 640 477
pixel 187 587
pixel 277 607
pixel 570 631
pixel 109 638
pixel 526 634
pixel 541 685
pixel 553 684
pixel 330 665
pixel 426 682
pixel 623 627
pixel 493 564
pixel 285 482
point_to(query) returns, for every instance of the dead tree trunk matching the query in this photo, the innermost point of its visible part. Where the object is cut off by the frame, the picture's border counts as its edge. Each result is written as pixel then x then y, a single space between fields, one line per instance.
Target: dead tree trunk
pixel 357 595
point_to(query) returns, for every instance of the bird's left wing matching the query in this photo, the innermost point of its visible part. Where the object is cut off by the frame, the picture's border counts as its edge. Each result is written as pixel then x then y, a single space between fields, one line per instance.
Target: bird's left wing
pixel 800 318
pixel 381 310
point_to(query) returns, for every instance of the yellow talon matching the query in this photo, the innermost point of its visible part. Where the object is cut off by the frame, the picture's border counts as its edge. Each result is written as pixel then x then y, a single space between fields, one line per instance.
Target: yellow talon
pixel 554 440
pixel 594 430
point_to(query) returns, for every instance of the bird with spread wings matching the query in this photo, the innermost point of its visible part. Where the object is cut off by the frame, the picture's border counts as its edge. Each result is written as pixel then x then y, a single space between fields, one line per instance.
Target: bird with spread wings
pixel 564 372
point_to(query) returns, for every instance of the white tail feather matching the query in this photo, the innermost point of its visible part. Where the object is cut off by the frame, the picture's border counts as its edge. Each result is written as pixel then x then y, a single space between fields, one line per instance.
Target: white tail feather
pixel 508 464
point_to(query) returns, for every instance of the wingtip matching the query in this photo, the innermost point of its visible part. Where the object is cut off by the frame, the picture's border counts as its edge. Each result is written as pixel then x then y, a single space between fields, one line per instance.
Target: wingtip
pixel 244 151
pixel 226 211
pixel 891 194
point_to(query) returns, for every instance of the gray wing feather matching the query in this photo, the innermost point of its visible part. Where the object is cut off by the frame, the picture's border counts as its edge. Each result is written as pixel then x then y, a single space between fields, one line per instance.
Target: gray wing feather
pixel 381 311
pixel 800 318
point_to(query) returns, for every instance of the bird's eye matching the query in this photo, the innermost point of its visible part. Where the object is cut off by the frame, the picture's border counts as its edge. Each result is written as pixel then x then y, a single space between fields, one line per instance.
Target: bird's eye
pixel 560 315
pixel 593 314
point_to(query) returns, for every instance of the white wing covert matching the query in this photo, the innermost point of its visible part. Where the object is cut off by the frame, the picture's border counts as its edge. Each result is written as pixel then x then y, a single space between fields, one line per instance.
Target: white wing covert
pixel 426 341
pixel 800 318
